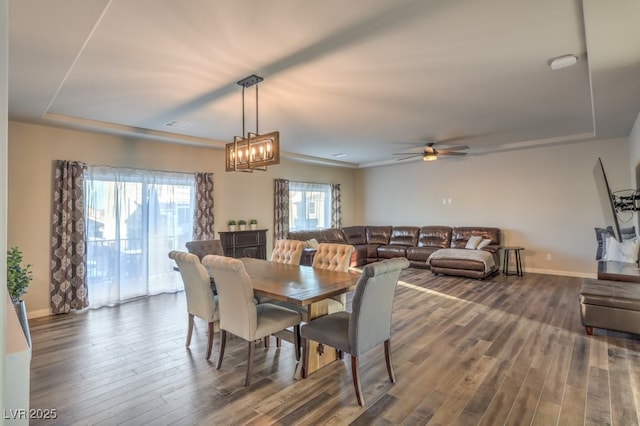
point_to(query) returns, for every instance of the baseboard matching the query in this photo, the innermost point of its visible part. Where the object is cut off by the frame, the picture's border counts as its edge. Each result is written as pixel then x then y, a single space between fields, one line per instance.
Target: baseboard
pixel 39 313
pixel 562 273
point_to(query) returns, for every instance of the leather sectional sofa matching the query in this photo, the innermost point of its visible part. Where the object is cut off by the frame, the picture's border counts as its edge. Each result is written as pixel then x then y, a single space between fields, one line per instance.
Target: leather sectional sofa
pixel 373 243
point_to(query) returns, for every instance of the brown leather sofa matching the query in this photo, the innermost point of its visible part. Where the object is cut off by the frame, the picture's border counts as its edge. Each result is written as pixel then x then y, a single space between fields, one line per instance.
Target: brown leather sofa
pixel 373 243
pixel 470 268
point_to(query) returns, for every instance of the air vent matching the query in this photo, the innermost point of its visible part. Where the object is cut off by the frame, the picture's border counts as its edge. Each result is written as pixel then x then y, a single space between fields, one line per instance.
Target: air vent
pixel 176 124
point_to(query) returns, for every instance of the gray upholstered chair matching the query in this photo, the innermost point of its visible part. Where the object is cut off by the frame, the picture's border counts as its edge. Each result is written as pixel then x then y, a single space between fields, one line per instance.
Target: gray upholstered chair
pixel 334 257
pixel 287 251
pixel 239 315
pixel 369 323
pixel 204 247
pixel 201 302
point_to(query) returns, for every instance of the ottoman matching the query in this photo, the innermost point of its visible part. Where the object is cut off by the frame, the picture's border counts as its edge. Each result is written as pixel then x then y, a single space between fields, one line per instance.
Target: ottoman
pixel 612 305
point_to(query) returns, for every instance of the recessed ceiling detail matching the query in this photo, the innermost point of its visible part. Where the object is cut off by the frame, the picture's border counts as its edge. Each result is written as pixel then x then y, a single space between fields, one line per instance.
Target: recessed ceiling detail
pixel 375 78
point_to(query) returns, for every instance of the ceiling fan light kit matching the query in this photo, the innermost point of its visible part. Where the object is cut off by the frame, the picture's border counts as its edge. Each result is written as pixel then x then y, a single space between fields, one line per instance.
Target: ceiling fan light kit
pixel 429 157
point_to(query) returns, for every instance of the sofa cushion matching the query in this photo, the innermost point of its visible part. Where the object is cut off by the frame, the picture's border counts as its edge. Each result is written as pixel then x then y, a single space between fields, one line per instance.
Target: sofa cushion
pixel 404 236
pixel 306 235
pixel 420 254
pixel 328 235
pixel 378 234
pixel 389 252
pixel 355 235
pixel 434 236
pixel 460 236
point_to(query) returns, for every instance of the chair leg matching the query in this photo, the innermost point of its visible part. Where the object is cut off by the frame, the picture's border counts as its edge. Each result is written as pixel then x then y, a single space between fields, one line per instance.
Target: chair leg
pixel 210 344
pixel 247 379
pixel 305 362
pixel 355 372
pixel 340 354
pixel 296 341
pixel 387 357
pixel 189 330
pixel 266 341
pixel 223 342
pixel 278 342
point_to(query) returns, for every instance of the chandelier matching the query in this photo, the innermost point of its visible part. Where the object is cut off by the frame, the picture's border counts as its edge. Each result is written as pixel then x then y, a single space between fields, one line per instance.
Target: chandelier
pixel 252 151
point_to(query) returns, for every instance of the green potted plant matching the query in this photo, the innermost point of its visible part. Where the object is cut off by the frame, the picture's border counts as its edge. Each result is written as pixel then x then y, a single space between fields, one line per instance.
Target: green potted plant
pixel 253 224
pixel 19 277
pixel 232 225
pixel 242 224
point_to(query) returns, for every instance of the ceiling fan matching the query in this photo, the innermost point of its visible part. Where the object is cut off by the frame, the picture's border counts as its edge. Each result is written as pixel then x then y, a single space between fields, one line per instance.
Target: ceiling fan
pixel 430 153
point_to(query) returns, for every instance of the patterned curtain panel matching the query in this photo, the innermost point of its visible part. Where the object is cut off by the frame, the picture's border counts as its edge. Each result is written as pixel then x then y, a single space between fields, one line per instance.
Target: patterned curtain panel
pixel 336 206
pixel 68 287
pixel 203 224
pixel 280 209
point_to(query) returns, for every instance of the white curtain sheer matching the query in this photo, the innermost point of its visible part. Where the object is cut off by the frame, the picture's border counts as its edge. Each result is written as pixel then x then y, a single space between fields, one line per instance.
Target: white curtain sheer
pixel 309 205
pixel 134 219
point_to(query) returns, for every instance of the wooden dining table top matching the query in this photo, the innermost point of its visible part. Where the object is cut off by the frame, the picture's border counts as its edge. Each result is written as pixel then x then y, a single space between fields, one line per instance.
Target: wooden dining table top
pixel 302 285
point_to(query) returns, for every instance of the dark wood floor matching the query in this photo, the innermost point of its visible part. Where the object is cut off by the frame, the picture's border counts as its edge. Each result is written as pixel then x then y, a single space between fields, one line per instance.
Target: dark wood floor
pixel 507 350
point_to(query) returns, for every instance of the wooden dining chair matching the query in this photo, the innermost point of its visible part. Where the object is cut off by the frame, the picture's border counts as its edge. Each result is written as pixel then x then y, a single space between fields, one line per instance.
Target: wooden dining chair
pixel 334 257
pixel 287 251
pixel 201 302
pixel 239 315
pixel 369 323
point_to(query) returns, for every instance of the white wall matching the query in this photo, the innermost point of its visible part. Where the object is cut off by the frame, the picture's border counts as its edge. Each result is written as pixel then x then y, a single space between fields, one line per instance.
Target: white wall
pixel 543 199
pixel 33 150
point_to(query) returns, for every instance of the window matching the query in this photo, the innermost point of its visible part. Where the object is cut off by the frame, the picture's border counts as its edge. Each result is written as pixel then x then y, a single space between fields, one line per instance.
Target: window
pixel 309 205
pixel 134 218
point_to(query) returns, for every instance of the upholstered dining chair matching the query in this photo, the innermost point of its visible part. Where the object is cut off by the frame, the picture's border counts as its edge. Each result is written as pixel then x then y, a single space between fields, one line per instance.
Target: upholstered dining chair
pixel 334 257
pixel 239 315
pixel 369 323
pixel 204 247
pixel 287 251
pixel 201 302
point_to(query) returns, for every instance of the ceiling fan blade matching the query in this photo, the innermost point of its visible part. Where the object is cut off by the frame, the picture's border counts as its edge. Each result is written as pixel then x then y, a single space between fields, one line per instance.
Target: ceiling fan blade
pixel 410 156
pixel 451 153
pixel 454 148
pixel 407 153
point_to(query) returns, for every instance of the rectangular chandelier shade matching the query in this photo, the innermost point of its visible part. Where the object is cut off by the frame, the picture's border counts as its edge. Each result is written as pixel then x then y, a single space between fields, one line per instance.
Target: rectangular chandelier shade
pixel 255 152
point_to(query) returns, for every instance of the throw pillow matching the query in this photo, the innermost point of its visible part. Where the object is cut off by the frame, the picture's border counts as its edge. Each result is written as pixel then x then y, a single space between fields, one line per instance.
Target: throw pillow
pixel 625 251
pixel 485 242
pixel 473 242
pixel 603 233
pixel 312 243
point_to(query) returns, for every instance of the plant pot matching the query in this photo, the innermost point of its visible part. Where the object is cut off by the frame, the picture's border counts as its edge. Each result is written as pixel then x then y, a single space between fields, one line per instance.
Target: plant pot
pixel 253 226
pixel 21 313
pixel 232 228
pixel 242 227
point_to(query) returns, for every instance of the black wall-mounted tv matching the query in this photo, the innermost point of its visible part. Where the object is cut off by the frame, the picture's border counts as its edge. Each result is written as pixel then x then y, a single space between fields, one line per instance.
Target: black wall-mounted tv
pixel 607 201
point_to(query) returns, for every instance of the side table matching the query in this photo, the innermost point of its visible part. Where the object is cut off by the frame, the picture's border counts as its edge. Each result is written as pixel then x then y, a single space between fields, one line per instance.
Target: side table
pixel 518 260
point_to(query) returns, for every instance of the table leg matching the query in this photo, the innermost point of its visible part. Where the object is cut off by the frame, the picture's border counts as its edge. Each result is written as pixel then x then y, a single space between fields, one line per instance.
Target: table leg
pixel 518 264
pixel 318 355
pixel 505 262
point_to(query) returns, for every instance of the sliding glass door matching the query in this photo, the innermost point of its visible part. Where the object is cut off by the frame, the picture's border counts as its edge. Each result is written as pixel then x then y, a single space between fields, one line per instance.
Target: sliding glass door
pixel 134 218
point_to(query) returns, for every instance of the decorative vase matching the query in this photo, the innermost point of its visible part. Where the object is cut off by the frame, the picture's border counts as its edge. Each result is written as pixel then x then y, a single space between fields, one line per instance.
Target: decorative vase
pixel 232 228
pixel 242 227
pixel 21 313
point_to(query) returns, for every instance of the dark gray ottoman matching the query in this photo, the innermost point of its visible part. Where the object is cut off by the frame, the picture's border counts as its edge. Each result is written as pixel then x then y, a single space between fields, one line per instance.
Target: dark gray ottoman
pixel 612 305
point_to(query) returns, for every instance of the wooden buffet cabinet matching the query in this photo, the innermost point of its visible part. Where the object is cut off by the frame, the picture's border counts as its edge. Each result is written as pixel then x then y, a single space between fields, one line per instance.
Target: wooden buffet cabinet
pixel 248 243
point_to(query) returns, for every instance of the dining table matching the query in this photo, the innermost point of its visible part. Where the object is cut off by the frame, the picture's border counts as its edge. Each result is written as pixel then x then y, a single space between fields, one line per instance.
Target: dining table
pixel 306 287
